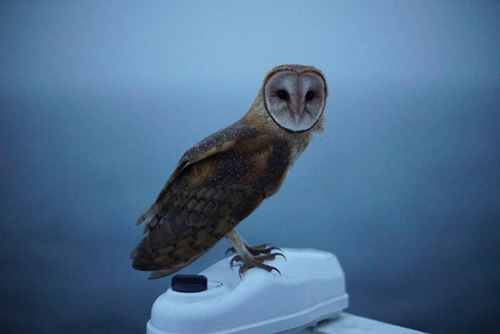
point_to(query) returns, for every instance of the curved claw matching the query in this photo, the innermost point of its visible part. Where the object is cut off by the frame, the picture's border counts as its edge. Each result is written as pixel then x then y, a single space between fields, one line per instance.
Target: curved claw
pixel 241 272
pixel 274 268
pixel 236 258
pixel 230 250
pixel 279 254
pixel 275 248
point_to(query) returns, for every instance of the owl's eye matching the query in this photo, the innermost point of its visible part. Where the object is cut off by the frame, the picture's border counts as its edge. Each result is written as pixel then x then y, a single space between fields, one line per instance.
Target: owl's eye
pixel 309 95
pixel 283 94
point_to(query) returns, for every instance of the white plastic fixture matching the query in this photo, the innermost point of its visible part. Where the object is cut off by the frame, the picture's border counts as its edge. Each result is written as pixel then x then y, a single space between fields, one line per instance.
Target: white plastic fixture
pixel 311 288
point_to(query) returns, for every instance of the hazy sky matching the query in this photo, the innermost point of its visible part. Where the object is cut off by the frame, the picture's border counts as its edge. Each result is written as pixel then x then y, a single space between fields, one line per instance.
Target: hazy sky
pixel 64 46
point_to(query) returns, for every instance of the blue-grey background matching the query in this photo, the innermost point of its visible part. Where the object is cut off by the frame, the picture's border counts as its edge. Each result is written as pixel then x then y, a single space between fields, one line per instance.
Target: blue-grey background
pixel 99 100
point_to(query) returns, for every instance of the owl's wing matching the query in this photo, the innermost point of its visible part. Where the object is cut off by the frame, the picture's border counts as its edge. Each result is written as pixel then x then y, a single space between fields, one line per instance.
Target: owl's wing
pixel 218 142
pixel 215 186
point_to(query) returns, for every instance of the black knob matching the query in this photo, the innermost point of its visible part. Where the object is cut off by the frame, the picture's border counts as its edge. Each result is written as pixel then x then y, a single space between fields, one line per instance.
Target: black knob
pixel 189 283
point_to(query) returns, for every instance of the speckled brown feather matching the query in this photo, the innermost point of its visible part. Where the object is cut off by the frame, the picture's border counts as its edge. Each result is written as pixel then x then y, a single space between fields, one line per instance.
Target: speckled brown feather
pixel 217 184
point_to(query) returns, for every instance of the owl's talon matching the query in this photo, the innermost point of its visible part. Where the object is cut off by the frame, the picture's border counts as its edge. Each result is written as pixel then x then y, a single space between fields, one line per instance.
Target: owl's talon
pixel 269 257
pixel 255 262
pixel 265 248
pixel 282 255
pixel 230 250
pixel 262 249
pixel 274 268
pixel 278 254
pixel 236 258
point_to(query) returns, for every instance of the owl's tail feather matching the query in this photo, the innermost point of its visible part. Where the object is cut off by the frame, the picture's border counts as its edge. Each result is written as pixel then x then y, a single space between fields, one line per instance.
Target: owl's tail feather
pixel 172 245
pixel 144 216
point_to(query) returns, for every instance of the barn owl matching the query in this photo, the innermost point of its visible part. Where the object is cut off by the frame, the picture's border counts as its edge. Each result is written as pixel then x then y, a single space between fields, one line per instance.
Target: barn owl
pixel 221 180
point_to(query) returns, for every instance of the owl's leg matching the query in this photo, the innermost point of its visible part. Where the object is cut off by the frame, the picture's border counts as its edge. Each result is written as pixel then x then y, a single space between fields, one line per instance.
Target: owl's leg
pixel 251 257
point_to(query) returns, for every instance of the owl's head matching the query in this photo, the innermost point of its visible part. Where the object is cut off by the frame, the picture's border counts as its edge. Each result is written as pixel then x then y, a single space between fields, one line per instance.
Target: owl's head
pixel 294 96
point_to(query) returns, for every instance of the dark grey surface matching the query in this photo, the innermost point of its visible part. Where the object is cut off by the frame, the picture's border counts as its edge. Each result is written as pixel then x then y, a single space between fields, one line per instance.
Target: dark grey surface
pixel 99 100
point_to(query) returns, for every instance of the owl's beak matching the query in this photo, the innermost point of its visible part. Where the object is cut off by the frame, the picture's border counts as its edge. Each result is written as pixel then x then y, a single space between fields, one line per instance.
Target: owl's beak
pixel 296 108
